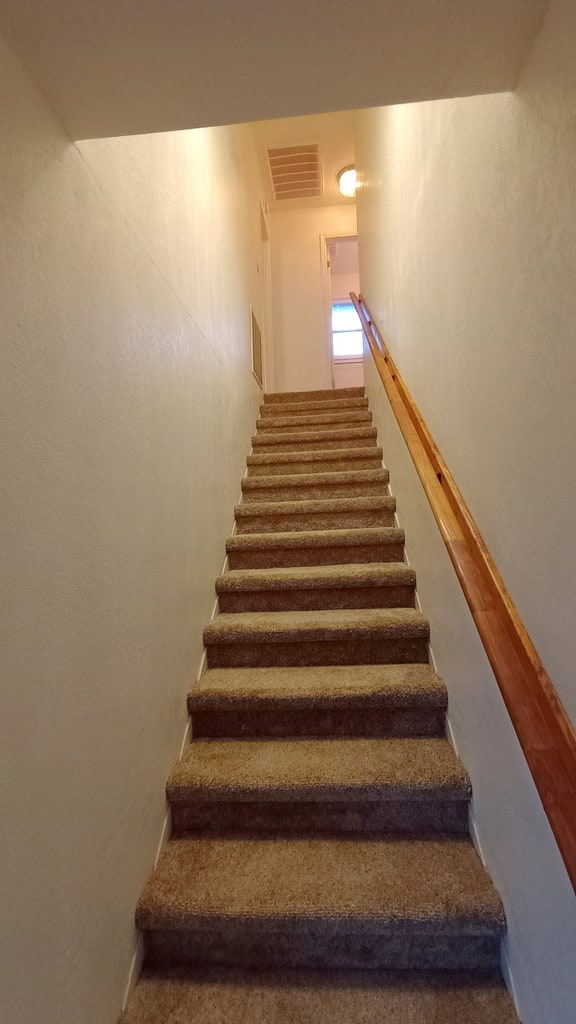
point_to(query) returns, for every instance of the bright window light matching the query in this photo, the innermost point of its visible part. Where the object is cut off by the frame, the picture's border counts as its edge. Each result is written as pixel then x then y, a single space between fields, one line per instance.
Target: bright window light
pixel 346 331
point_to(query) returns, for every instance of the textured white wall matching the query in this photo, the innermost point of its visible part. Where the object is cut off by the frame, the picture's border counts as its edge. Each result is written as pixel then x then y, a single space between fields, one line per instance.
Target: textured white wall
pixel 342 284
pixel 127 405
pixel 301 294
pixel 467 227
pixel 349 374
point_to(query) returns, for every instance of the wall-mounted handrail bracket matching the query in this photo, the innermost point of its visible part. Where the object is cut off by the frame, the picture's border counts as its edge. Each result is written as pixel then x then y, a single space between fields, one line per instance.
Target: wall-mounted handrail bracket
pixel 545 732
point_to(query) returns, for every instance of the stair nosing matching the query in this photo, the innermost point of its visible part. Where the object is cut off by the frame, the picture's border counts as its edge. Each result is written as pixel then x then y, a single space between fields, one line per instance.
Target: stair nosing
pixel 317 577
pixel 330 405
pixel 278 627
pixel 378 899
pixel 302 480
pixel 314 437
pixel 350 537
pixel 387 764
pixel 320 420
pixel 390 689
pixel 353 503
pixel 278 397
pixel 373 453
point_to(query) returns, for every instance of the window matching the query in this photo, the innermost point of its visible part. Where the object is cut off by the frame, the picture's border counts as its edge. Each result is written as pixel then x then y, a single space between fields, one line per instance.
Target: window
pixel 346 331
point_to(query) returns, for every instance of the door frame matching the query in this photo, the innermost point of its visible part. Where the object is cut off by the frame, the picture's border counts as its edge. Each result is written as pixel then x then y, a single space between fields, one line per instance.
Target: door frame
pixel 327 303
pixel 327 291
pixel 265 274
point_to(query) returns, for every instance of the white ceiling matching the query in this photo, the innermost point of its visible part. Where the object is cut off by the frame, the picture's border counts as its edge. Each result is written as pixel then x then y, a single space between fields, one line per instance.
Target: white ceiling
pixel 334 135
pixel 117 67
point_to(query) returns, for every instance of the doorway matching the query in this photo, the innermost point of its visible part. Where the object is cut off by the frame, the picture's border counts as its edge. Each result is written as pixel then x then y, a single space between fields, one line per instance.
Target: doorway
pixel 346 343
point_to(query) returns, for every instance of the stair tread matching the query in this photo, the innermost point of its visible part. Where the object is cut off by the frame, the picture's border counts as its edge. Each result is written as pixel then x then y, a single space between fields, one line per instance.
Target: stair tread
pixel 354 537
pixel 312 419
pixel 269 408
pixel 321 686
pixel 327 394
pixel 346 430
pixel 349 433
pixel 319 769
pixel 407 886
pixel 319 577
pixel 295 480
pixel 322 997
pixel 320 625
pixel 319 455
pixel 375 502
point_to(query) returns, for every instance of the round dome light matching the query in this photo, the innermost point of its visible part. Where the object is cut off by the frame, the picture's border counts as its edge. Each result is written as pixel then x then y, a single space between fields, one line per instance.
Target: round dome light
pixel 347 182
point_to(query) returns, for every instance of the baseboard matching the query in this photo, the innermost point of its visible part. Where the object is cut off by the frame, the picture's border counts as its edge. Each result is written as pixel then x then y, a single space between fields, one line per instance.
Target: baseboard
pixel 504 958
pixel 138 955
pixel 508 979
pixel 134 972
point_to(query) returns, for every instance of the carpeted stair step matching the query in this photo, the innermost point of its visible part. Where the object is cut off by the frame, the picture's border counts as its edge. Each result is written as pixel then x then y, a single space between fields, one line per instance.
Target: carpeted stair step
pixel 321 869
pixel 316 405
pixel 314 421
pixel 321 903
pixel 353 786
pixel 326 514
pixel 351 637
pixel 311 486
pixel 372 585
pixel 321 700
pixel 349 437
pixel 315 547
pixel 328 461
pixel 182 995
pixel 324 395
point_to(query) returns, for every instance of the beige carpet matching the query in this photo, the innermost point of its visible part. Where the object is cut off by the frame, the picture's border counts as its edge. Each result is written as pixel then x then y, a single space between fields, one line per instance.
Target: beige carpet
pixel 320 867
pixel 302 997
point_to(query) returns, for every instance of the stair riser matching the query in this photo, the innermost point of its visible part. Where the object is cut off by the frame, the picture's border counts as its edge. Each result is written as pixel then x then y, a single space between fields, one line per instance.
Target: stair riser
pixel 399 596
pixel 275 818
pixel 271 558
pixel 371 722
pixel 314 521
pixel 313 408
pixel 309 424
pixel 243 945
pixel 346 651
pixel 361 462
pixel 328 442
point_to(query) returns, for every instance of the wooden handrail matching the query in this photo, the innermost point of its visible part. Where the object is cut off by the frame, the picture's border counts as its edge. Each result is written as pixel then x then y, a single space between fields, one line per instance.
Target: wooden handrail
pixel 544 730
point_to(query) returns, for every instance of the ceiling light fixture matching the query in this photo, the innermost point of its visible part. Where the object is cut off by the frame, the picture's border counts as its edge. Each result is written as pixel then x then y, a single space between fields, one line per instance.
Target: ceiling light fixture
pixel 347 181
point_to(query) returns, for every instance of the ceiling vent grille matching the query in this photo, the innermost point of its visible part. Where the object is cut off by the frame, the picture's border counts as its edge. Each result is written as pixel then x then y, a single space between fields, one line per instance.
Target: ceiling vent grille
pixel 295 172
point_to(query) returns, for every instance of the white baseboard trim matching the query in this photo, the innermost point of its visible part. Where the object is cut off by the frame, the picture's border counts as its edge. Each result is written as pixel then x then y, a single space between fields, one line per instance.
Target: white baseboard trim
pixel 504 958
pixel 475 837
pixel 134 972
pixel 138 955
pixel 508 978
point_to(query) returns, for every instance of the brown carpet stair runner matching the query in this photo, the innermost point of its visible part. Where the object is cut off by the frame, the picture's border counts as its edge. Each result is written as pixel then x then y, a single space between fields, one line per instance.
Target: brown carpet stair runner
pixel 320 867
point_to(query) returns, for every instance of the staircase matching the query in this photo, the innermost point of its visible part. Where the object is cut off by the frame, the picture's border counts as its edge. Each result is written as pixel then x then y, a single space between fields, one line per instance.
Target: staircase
pixel 320 867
